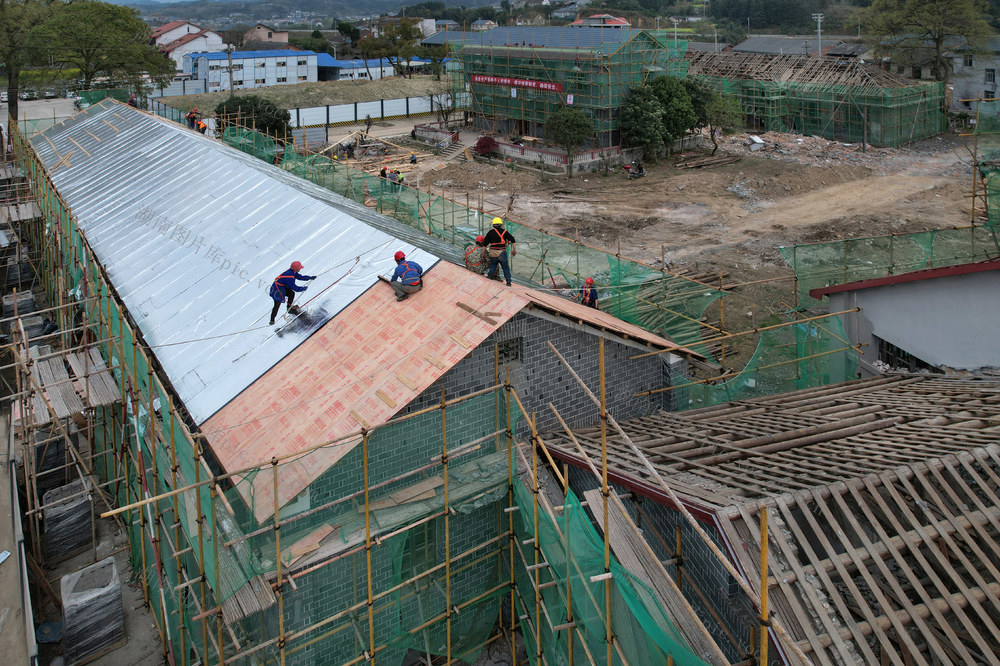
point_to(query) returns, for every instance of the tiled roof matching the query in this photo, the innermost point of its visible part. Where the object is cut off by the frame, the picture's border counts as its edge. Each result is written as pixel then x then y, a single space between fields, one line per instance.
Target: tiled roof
pixel 190 37
pixel 165 28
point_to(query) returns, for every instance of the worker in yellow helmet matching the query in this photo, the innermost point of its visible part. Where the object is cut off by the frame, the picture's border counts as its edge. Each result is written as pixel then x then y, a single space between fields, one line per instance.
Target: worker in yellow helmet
pixel 497 241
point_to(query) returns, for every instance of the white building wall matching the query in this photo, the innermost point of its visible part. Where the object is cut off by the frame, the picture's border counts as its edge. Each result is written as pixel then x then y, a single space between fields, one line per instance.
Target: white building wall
pixel 943 321
pixel 973 81
pixel 210 41
pixel 249 73
pixel 176 33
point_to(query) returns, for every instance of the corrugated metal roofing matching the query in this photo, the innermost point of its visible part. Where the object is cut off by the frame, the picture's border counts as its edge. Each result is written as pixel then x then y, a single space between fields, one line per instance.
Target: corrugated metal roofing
pixel 357 371
pixel 247 55
pixel 193 256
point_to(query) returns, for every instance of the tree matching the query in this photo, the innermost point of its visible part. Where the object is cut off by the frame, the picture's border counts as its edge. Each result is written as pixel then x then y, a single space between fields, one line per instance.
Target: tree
pixel 642 121
pixel 700 95
pixel 236 36
pixel 569 128
pixel 397 44
pixel 259 113
pixel 97 37
pixel 436 54
pixel 723 115
pixel 349 32
pixel 676 108
pixel 906 29
pixel 19 24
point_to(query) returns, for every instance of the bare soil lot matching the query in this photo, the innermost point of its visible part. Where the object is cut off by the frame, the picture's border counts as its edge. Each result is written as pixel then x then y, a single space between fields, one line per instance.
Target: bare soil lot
pixel 732 219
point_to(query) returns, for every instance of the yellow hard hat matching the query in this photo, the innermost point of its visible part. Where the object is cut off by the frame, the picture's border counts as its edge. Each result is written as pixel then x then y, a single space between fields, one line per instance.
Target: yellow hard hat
pixel 497 221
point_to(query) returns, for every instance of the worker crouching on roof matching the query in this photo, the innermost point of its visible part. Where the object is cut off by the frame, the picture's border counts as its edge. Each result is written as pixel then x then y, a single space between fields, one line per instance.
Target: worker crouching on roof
pixel 476 258
pixel 588 294
pixel 201 126
pixel 284 287
pixel 192 117
pixel 497 240
pixel 410 277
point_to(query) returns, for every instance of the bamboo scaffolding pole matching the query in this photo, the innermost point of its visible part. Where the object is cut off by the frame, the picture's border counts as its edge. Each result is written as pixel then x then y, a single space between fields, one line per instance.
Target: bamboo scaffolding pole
pixel 510 494
pixel 604 503
pixel 368 549
pixel 692 521
pixel 447 526
pixel 277 558
pixel 536 548
pixel 764 616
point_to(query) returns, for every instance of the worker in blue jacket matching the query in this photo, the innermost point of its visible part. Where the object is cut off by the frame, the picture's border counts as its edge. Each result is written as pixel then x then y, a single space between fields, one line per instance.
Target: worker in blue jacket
pixel 409 275
pixel 284 287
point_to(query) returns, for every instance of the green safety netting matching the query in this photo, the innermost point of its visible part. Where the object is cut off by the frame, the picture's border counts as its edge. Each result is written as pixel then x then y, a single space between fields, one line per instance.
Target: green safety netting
pixel 789 358
pixel 855 259
pixel 875 115
pixel 645 633
pixel 987 118
pixel 251 142
pixel 95 96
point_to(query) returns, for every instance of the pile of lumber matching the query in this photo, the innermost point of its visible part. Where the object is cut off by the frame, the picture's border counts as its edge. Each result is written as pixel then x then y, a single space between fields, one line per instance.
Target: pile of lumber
pixel 706 162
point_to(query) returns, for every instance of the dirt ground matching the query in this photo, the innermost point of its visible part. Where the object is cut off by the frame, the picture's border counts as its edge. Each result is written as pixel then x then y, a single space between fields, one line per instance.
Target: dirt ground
pixel 304 95
pixel 733 218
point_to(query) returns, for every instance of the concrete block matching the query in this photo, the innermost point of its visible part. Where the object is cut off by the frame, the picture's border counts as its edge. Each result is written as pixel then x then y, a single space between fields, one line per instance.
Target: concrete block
pixel 93 617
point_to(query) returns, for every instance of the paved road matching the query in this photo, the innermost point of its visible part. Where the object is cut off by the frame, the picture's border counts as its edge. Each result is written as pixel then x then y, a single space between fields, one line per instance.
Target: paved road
pixel 39 108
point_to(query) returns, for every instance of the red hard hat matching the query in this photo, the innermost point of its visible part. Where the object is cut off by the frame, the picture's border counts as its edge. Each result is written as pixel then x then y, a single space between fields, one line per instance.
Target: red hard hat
pixel 589 280
pixel 399 256
pixel 296 266
pixel 480 239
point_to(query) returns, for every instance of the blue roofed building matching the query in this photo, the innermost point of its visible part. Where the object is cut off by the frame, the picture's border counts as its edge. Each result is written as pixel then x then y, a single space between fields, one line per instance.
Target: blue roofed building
pixel 251 69
pixel 331 69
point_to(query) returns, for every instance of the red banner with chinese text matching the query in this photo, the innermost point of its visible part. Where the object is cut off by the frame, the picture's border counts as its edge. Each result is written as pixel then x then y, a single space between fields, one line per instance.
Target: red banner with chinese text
pixel 516 83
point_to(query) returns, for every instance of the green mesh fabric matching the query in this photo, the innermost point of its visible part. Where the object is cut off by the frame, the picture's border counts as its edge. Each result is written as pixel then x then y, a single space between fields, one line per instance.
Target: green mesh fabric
pixel 645 633
pixel 987 118
pixel 95 96
pixel 840 262
pixel 250 142
pixel 789 358
pixel 877 116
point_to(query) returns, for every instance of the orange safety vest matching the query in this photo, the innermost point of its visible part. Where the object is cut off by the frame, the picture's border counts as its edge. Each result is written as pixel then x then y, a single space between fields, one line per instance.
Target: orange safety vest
pixel 502 244
pixel 406 271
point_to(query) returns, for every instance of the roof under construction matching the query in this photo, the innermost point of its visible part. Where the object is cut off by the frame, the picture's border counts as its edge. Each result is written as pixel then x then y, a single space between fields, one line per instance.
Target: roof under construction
pixel 798 68
pixel 193 261
pixel 884 497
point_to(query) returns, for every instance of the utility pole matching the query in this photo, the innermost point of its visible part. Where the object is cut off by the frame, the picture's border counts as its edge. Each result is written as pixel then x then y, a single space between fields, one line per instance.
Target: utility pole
pixel 819 33
pixel 229 53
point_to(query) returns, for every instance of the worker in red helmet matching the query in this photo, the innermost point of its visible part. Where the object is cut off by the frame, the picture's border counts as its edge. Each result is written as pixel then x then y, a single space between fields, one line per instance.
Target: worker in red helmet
pixel 192 117
pixel 588 294
pixel 476 258
pixel 284 287
pixel 410 277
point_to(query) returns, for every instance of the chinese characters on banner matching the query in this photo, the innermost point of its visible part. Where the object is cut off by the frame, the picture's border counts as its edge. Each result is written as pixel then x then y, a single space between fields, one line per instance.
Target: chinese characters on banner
pixel 516 83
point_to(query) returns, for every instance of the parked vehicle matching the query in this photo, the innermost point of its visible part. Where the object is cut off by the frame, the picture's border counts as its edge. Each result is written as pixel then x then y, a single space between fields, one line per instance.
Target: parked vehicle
pixel 3 96
pixel 634 170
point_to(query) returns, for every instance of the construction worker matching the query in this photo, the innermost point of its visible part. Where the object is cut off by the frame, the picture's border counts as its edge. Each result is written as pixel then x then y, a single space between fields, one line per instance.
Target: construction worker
pixel 410 276
pixel 497 240
pixel 201 126
pixel 133 101
pixel 413 158
pixel 284 287
pixel 588 294
pixel 192 117
pixel 476 259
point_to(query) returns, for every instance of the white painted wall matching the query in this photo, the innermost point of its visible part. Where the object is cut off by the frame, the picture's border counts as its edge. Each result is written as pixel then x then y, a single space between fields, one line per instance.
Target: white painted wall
pixel 248 73
pixel 949 321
